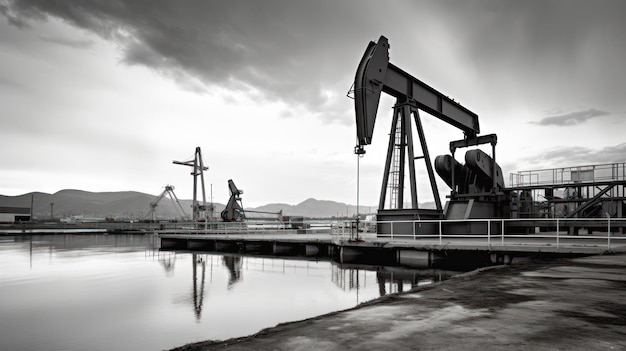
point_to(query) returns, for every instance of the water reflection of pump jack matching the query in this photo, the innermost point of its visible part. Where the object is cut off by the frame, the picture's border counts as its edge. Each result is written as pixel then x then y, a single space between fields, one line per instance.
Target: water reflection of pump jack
pixel 168 260
pixel 348 277
pixel 389 279
pixel 234 264
pixel 198 295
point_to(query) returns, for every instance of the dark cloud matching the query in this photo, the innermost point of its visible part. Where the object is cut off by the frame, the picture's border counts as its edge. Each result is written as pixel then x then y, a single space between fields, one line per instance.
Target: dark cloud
pixel 293 51
pixel 572 118
pixel 578 155
pixel 279 50
pixel 543 51
pixel 72 43
pixel 13 19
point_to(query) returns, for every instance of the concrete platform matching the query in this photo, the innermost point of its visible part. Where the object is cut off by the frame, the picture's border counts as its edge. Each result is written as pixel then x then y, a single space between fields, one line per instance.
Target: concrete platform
pixel 564 304
pixel 544 243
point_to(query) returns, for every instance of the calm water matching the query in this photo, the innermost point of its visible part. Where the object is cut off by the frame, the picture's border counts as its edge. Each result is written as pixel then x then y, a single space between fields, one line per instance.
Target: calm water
pixel 119 292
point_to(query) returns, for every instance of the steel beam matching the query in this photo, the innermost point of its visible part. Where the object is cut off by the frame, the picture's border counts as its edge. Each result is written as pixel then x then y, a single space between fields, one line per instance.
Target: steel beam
pixel 401 84
pixel 375 74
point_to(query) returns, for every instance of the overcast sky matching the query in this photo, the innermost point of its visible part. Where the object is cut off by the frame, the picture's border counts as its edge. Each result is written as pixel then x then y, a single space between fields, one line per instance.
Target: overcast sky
pixel 103 95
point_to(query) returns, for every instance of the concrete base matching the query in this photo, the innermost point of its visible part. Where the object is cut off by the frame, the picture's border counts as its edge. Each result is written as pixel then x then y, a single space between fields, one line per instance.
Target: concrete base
pixel 417 259
pixel 406 226
pixel 470 209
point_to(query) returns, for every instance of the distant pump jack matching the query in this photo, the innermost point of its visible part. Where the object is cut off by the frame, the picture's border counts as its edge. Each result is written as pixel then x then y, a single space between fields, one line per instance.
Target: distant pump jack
pixel 234 211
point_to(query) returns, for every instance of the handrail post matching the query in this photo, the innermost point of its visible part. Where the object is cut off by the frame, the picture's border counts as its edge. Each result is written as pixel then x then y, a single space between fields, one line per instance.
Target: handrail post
pixel 502 223
pixel 440 232
pixel 413 225
pixel 557 233
pixel 392 229
pixel 608 235
pixel 489 233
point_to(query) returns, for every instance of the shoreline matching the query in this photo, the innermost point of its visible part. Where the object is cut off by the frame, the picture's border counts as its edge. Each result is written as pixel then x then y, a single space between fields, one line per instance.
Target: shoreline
pixel 564 303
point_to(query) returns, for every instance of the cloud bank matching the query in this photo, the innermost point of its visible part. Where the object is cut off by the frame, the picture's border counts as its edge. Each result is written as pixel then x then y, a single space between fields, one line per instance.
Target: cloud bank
pixel 267 49
pixel 572 118
pixel 304 53
pixel 579 155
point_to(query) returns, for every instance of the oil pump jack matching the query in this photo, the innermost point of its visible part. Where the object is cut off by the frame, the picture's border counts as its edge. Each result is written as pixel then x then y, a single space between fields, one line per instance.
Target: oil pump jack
pixel 476 186
pixel 234 212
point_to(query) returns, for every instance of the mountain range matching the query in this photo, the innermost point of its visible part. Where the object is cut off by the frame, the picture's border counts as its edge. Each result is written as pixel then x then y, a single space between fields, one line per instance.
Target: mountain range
pixel 136 205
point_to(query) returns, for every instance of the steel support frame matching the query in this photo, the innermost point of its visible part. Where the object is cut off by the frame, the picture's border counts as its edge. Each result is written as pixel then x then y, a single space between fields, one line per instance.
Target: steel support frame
pixel 198 170
pixel 402 112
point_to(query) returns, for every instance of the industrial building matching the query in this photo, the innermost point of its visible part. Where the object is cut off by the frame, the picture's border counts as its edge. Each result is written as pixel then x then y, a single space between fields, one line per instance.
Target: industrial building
pixel 14 214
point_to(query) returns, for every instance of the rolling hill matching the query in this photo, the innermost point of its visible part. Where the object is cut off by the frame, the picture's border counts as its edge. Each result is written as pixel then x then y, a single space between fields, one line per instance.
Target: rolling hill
pixel 136 205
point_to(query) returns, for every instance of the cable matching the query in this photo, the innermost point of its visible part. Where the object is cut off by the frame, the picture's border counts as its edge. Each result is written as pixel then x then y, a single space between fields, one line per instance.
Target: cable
pixel 358 172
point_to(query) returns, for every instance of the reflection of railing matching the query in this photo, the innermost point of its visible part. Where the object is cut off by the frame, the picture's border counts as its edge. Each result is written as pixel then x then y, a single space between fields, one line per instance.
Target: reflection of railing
pixel 282 266
pixel 570 175
pixel 601 233
pixel 348 278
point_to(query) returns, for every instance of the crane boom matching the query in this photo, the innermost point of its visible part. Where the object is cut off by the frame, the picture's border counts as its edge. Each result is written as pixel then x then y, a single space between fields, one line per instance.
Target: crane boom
pixel 375 74
pixel 169 190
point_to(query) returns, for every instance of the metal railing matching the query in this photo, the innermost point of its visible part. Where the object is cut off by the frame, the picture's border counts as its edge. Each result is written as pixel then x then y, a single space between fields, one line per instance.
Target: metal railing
pixel 600 234
pixel 332 229
pixel 248 227
pixel 75 227
pixel 570 175
pixel 546 232
pixel 258 227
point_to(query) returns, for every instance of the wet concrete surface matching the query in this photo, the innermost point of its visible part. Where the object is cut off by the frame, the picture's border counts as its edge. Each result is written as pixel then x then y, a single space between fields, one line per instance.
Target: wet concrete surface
pixel 564 304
